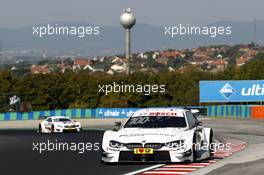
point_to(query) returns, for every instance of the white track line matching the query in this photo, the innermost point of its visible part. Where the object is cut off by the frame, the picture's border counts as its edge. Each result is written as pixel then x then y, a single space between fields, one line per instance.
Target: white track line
pixel 164 172
pixel 184 166
pixel 145 169
pixel 175 169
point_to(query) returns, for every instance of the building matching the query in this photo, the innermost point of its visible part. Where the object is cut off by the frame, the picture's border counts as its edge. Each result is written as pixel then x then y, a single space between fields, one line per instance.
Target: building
pixel 118 65
pixel 81 62
pixel 162 60
pixel 201 55
pixel 116 69
pixel 241 61
pixel 117 60
pixel 220 64
pixel 170 54
pixel 155 55
pixel 64 67
pixel 142 56
pixel 40 69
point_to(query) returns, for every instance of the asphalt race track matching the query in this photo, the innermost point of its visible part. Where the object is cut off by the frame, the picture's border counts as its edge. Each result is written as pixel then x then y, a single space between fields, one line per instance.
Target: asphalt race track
pixel 17 155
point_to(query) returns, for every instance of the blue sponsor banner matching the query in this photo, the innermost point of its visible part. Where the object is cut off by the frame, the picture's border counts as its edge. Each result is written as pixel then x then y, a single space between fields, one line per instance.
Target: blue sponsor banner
pixel 232 91
pixel 115 112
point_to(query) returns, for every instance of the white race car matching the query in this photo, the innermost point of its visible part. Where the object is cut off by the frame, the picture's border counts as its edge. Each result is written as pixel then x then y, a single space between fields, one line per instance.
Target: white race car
pixel 158 135
pixel 59 124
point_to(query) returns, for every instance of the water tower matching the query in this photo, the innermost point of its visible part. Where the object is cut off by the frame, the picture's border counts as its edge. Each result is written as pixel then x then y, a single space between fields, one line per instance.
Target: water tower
pixel 127 20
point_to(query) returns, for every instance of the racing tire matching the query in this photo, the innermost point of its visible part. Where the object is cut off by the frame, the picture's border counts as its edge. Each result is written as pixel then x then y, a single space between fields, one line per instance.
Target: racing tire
pixel 39 129
pixel 211 148
pixel 194 151
pixel 52 129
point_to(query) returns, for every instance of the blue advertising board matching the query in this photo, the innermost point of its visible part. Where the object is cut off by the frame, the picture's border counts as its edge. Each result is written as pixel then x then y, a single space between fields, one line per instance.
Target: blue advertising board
pixel 232 91
pixel 115 112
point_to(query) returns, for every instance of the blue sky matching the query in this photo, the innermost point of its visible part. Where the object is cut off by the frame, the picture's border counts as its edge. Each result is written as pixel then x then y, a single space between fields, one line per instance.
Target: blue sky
pixel 19 13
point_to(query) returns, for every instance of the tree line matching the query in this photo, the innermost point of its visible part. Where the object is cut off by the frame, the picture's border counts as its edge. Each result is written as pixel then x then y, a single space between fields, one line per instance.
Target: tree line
pixel 81 90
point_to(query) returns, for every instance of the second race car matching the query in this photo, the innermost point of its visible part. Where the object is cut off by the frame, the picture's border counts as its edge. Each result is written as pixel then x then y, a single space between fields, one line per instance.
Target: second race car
pixel 59 124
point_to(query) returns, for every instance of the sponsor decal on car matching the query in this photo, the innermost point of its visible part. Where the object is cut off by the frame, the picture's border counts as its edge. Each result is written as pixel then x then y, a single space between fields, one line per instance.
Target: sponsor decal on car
pixel 143 150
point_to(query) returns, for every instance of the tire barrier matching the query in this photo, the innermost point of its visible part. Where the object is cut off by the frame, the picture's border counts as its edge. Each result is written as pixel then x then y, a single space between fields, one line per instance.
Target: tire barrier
pixel 227 111
pixel 257 112
pixel 34 115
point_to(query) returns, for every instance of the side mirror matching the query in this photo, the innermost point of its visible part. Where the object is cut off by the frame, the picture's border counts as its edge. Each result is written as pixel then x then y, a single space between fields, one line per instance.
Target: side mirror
pixel 117 126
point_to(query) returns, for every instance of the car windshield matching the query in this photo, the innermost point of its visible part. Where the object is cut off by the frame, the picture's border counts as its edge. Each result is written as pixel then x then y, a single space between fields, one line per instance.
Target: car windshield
pixel 62 120
pixel 155 122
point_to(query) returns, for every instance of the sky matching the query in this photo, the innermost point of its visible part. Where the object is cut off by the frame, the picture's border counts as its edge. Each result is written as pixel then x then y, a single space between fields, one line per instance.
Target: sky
pixel 22 13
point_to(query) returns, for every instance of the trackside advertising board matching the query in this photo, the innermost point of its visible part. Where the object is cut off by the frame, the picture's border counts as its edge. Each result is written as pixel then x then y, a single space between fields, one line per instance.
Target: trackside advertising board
pixel 232 91
pixel 115 112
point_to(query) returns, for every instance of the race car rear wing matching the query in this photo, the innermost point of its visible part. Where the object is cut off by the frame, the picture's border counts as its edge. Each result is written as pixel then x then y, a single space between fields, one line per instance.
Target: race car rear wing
pixel 194 111
pixel 41 117
pixel 198 111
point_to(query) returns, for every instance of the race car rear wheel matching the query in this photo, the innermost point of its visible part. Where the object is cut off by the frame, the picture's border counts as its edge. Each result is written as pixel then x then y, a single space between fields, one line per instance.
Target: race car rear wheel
pixel 52 128
pixel 211 146
pixel 39 129
pixel 194 151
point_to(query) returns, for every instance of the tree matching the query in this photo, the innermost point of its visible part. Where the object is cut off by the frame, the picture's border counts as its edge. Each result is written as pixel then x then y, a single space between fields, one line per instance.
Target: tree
pixel 259 56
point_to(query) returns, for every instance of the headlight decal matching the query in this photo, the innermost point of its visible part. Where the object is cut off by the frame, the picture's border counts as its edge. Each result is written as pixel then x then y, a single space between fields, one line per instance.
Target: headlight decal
pixel 178 144
pixel 115 144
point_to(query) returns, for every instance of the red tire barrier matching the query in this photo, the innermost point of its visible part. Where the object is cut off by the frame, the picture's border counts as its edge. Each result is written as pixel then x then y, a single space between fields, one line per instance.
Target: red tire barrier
pixel 257 112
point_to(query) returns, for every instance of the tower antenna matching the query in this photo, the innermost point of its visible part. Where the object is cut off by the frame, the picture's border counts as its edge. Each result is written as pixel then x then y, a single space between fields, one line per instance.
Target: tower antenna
pixel 127 20
pixel 255 31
